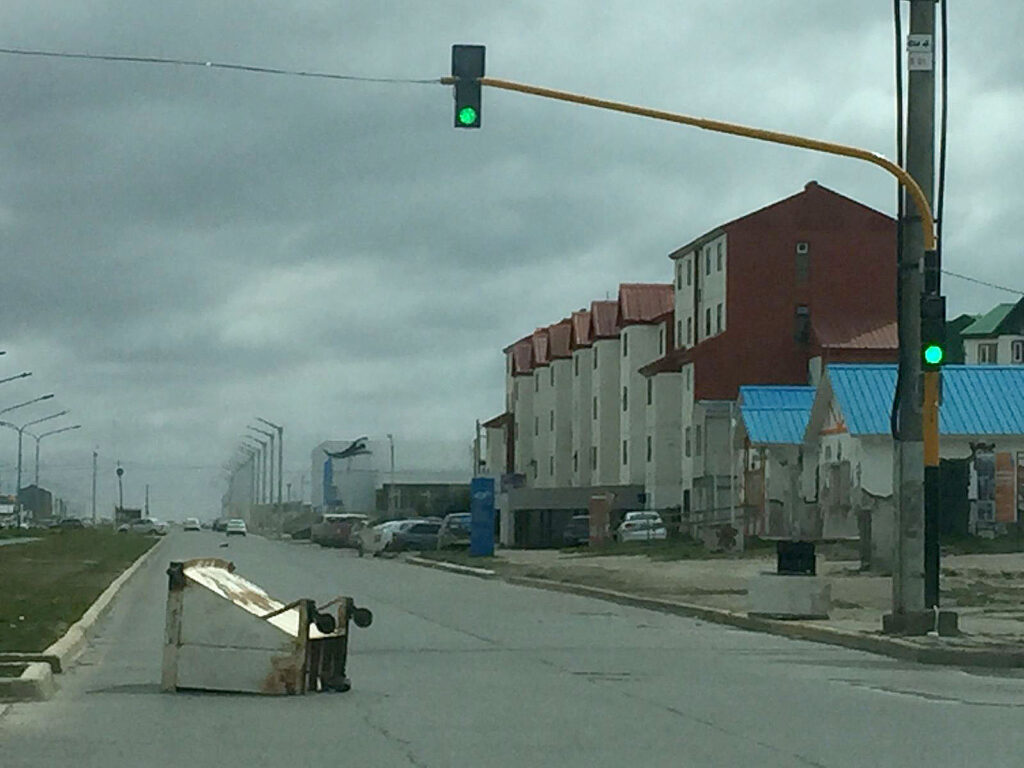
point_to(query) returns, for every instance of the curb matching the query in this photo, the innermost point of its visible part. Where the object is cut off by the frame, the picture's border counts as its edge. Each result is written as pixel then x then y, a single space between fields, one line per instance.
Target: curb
pixel 67 648
pixel 896 648
pixel 34 684
pixel 441 565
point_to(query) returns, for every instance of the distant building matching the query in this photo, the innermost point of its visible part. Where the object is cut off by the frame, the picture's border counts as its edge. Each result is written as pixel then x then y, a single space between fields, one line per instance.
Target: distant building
pixel 996 337
pixel 37 501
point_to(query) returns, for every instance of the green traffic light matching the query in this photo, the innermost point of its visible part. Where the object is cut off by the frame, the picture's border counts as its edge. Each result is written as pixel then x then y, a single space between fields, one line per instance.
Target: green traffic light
pixel 933 354
pixel 467 116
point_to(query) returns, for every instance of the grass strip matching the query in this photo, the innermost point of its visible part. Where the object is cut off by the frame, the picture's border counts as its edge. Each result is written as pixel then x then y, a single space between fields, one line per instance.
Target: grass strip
pixel 46 585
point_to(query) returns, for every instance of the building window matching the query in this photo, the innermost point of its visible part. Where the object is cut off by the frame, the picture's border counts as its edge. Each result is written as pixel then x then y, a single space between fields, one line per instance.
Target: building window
pixel 803 263
pixel 625 345
pixel 536 383
pixel 688 378
pixel 625 452
pixel 625 398
pixel 828 453
pixel 707 260
pixel 593 457
pixel 697 441
pixel 551 465
pixel 661 341
pixel 650 391
pixel 689 331
pixel 686 441
pixel 575 461
pixel 718 314
pixel 719 264
pixel 679 274
pixel 1017 352
pixel 552 372
pixel 576 366
pixel 988 353
pixel 595 357
pixel 689 274
pixel 536 425
pixel 595 406
pixel 679 333
pixel 802 324
pixel 551 421
pixel 650 448
pixel 707 322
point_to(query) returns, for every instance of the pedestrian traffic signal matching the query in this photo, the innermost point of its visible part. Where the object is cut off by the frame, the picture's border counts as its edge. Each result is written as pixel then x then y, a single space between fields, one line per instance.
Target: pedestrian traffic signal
pixel 467 69
pixel 933 332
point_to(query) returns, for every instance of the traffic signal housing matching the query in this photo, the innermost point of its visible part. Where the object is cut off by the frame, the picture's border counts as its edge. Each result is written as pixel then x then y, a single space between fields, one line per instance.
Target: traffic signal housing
pixel 933 332
pixel 467 69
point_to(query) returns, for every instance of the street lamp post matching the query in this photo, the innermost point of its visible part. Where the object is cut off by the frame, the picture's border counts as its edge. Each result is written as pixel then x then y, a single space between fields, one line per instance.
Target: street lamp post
pixel 27 402
pixel 21 432
pixel 268 492
pixel 391 484
pixel 120 489
pixel 39 439
pixel 16 377
pixel 280 456
pixel 262 490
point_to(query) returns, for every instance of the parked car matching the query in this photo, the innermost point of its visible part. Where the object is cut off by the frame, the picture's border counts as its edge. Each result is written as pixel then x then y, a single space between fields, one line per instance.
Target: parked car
pixel 235 527
pixel 161 528
pixel 641 526
pixel 420 535
pixel 145 525
pixel 576 531
pixel 380 538
pixel 454 531
pixel 192 524
pixel 336 530
pixel 220 524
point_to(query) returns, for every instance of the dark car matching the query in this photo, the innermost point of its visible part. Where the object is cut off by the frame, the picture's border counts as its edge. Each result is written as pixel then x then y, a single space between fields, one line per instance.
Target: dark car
pixel 71 522
pixel 220 524
pixel 418 536
pixel 454 531
pixel 577 531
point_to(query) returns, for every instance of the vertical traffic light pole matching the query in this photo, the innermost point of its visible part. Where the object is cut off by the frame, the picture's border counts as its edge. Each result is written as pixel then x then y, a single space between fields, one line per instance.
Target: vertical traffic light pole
pixel 920 416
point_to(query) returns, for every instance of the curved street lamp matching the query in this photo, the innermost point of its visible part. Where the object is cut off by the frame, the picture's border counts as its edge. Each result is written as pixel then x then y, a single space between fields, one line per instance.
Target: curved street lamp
pixel 39 438
pixel 262 470
pixel 280 457
pixel 22 375
pixel 21 433
pixel 27 402
pixel 268 492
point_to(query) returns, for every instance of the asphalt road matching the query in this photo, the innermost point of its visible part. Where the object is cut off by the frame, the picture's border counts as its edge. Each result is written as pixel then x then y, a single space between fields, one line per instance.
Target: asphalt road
pixel 457 671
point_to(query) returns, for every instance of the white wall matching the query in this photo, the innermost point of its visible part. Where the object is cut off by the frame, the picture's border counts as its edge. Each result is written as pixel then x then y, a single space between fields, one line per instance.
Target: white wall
pixel 639 346
pixel 541 474
pixel 1004 349
pixel 561 398
pixel 523 409
pixel 663 417
pixel 582 421
pixel 686 420
pixel 494 454
pixel 605 387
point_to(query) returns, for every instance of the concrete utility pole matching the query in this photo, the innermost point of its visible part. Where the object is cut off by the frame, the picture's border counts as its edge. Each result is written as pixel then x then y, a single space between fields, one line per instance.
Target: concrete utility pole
pixel 910 612
pixel 147 499
pixel 95 455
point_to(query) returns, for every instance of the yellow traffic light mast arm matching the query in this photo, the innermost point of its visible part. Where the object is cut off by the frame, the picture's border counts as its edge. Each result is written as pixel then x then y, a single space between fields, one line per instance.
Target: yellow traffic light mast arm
pixel 719 126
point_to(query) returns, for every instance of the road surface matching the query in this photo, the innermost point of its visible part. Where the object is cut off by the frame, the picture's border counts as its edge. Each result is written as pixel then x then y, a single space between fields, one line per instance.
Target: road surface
pixel 457 671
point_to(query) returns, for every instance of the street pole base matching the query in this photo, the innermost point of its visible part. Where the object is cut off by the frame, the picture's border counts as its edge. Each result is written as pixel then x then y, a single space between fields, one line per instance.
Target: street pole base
pixel 920 623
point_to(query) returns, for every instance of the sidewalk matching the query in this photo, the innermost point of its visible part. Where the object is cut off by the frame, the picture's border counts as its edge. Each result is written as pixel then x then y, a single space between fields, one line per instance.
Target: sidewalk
pixel 987 591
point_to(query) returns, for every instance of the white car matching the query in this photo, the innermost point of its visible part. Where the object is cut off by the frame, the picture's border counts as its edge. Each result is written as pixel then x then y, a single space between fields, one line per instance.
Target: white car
pixel 236 527
pixel 192 524
pixel 378 538
pixel 642 526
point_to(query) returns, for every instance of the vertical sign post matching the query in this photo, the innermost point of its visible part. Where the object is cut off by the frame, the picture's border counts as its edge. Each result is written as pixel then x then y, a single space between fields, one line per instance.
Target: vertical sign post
pixel 481 517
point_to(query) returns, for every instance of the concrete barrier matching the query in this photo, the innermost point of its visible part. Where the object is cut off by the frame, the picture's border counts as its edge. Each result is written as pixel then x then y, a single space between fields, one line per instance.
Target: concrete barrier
pixel 35 683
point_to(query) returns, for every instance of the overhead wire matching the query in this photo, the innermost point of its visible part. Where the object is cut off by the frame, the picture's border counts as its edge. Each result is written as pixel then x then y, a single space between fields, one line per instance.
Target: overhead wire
pixel 215 65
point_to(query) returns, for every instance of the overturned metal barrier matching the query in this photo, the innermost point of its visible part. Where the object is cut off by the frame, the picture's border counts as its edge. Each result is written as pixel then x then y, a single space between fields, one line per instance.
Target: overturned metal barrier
pixel 224 633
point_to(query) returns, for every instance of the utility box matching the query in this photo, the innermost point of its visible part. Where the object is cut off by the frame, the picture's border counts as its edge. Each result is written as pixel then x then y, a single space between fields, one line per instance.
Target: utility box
pixel 224 633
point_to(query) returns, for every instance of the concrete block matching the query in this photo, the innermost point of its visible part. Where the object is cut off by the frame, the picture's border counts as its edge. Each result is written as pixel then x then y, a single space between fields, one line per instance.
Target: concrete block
pixel 779 596
pixel 35 683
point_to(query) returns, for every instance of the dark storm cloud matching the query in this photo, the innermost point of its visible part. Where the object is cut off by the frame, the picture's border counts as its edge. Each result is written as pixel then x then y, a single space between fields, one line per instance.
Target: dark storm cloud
pixel 184 248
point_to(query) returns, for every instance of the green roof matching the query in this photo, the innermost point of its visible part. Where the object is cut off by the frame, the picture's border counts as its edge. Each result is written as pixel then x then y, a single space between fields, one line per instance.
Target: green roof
pixel 989 323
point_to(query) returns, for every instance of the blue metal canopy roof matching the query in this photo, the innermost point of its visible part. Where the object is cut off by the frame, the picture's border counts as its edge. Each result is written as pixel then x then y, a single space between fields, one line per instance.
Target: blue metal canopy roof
pixel 776 414
pixel 977 399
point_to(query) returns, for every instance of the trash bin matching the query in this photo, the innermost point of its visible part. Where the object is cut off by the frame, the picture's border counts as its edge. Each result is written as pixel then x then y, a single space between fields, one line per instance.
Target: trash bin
pixel 224 633
pixel 795 557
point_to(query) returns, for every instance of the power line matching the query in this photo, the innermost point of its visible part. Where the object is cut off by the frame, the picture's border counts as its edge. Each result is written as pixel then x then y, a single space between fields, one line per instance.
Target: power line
pixel 215 65
pixel 982 282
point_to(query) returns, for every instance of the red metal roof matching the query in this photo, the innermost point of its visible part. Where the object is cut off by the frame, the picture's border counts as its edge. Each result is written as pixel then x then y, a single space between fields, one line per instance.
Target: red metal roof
pixel 605 321
pixel 522 357
pixel 540 347
pixel 581 329
pixel 559 336
pixel 854 333
pixel 644 302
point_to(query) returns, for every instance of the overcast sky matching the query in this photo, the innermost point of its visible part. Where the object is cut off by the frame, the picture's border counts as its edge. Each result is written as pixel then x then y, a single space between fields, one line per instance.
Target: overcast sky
pixel 183 248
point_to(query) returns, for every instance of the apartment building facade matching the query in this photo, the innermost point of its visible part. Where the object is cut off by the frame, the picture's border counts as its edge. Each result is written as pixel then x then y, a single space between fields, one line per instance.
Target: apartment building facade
pixel 997 337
